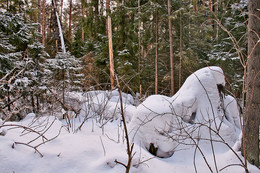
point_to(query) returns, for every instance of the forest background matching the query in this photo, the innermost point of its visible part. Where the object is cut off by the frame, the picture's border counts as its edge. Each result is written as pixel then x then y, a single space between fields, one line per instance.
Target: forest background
pixel 35 69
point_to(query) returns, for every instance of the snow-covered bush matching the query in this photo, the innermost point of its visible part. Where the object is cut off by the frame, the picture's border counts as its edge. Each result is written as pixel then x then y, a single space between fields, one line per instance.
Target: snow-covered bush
pixel 197 111
pixel 106 105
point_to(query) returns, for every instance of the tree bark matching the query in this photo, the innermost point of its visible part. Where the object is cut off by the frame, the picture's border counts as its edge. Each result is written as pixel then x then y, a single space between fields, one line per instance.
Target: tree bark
pixel 210 11
pixel 156 53
pixel 111 58
pixel 108 7
pixel 43 22
pixel 32 101
pixel 82 22
pixel 210 5
pixel 69 36
pixel 252 116
pixel 39 15
pixel 61 10
pixel 139 51
pixel 171 48
pixel 180 64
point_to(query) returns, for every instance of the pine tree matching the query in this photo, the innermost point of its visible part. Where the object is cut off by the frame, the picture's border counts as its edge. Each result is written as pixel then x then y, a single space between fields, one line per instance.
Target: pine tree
pixel 21 56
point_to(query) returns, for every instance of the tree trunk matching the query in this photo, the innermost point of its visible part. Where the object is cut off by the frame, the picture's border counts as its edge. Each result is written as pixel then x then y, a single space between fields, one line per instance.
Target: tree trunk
pixel 171 48
pixel 39 15
pixel 180 65
pixel 108 7
pixel 110 45
pixel 43 22
pixel 111 58
pixel 210 5
pixel 8 99
pixel 214 10
pixel 210 11
pixel 59 27
pixel 69 36
pixel 216 27
pixel 82 22
pixel 156 53
pixel 252 117
pixel 139 51
pixel 37 103
pixel 32 100
pixel 61 8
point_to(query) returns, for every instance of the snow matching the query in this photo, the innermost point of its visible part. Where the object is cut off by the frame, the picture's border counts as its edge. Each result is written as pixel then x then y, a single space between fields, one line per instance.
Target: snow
pixel 108 104
pixel 194 110
pixel 180 127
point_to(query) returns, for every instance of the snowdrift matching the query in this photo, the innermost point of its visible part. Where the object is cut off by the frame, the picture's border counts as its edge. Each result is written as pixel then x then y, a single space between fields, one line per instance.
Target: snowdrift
pixel 200 109
pixel 106 105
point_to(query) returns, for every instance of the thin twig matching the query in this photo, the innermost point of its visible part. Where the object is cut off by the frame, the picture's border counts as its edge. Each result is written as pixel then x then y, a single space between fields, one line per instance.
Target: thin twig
pixel 29 146
pixel 102 145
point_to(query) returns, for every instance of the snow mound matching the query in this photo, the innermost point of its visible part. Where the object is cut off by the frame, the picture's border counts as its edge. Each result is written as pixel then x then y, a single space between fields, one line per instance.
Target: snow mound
pixel 199 110
pixel 106 105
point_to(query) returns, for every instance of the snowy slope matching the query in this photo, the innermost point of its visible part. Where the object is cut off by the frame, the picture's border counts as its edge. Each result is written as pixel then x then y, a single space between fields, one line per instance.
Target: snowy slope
pixel 178 126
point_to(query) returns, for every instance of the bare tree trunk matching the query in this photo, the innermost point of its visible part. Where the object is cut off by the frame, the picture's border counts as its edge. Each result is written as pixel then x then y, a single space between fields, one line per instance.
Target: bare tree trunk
pixel 37 103
pixel 210 5
pixel 59 26
pixel 39 15
pixel 171 48
pixel 82 22
pixel 156 53
pixel 252 116
pixel 210 11
pixel 111 58
pixel 108 7
pixel 43 22
pixel 110 45
pixel 69 36
pixel 139 51
pixel 61 10
pixel 180 65
pixel 9 99
pixel 216 8
pixel 32 101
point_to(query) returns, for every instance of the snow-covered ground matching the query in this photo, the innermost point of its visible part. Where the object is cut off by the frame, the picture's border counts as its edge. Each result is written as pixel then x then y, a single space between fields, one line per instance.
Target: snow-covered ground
pixel 196 130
